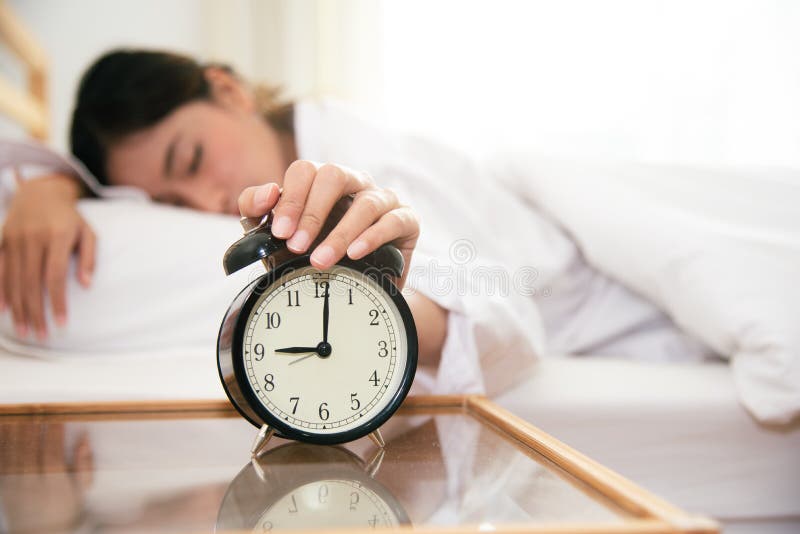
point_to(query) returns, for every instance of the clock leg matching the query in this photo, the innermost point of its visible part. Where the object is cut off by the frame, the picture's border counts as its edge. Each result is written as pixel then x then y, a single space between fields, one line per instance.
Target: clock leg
pixel 376 438
pixel 261 440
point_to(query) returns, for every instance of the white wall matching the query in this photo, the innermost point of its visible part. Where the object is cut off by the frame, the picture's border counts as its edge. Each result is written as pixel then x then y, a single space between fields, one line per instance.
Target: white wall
pixel 75 32
pixel 709 81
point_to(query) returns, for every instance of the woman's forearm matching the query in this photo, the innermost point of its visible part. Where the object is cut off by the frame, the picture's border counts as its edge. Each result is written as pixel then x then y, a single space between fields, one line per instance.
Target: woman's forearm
pixel 67 186
pixel 431 322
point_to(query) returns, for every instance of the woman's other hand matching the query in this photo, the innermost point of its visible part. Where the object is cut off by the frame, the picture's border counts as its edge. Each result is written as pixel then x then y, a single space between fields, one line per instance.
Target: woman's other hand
pixel 42 229
pixel 376 216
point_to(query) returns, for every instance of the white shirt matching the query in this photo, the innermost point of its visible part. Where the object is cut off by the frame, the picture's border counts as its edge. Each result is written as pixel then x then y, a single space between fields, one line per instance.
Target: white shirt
pixel 476 230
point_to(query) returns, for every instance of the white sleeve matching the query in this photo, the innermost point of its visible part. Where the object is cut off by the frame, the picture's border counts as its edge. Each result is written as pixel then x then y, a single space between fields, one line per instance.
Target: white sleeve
pixel 470 259
pixel 493 338
pixel 30 159
pixel 11 175
pixel 495 334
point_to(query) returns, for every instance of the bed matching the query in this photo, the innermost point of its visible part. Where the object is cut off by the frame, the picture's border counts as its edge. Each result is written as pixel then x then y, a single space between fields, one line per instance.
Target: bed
pixel 677 429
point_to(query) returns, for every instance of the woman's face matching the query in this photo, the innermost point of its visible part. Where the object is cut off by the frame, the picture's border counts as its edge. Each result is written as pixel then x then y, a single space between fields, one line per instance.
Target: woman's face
pixel 202 155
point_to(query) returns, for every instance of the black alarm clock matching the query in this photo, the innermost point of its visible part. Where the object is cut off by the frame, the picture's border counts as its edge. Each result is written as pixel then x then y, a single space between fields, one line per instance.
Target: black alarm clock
pixel 318 356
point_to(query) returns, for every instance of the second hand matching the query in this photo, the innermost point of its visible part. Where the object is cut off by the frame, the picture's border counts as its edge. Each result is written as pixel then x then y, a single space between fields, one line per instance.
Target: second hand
pixel 303 358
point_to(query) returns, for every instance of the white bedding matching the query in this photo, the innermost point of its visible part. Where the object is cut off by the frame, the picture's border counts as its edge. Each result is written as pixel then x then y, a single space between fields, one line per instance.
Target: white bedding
pixel 155 375
pixel 718 250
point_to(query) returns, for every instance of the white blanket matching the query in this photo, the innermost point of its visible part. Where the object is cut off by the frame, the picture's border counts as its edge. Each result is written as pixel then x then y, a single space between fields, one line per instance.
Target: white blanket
pixel 717 249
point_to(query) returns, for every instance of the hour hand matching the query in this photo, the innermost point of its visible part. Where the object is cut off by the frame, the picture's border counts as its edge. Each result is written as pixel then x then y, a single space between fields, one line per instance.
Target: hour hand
pixel 297 350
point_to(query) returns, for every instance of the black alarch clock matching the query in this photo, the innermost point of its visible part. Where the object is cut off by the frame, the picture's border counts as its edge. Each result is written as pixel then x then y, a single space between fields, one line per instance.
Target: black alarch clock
pixel 319 356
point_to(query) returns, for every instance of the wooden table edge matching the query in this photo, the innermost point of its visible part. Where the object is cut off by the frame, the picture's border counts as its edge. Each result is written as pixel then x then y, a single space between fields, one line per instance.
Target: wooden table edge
pixel 213 406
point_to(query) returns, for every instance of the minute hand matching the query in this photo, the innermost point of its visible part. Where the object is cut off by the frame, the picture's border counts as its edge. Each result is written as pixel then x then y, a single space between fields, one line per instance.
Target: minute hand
pixel 297 350
pixel 325 314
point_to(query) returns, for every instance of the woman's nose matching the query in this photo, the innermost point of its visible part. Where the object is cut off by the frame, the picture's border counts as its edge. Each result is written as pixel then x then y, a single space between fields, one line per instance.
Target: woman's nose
pixel 208 197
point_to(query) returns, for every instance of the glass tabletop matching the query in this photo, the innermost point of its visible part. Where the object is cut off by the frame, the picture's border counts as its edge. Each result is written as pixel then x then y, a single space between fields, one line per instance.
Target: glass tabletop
pixel 440 467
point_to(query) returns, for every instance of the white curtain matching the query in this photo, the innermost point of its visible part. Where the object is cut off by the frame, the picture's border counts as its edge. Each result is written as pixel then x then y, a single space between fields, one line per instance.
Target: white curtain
pixel 688 81
pixel 312 48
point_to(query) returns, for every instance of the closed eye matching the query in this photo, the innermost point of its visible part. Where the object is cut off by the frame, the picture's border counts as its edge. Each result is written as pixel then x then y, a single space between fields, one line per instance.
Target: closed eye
pixel 197 158
pixel 169 199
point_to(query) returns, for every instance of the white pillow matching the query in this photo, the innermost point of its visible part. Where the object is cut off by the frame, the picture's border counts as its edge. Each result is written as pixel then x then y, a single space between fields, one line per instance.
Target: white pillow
pixel 717 249
pixel 158 285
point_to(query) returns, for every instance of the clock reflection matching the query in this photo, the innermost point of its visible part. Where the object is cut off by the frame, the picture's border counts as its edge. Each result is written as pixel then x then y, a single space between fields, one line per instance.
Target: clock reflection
pixel 303 486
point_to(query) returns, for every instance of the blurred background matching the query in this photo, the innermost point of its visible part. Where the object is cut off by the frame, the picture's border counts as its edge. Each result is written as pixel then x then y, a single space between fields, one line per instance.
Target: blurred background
pixel 713 82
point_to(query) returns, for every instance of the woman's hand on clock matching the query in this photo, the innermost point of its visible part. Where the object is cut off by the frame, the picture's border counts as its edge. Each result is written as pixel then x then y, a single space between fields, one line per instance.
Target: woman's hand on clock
pixel 309 192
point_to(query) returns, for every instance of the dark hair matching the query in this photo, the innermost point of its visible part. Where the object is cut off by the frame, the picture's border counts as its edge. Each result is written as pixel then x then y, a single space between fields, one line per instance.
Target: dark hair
pixel 125 91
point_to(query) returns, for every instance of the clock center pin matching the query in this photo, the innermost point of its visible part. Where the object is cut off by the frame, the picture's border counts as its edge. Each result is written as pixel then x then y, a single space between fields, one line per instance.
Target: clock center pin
pixel 324 349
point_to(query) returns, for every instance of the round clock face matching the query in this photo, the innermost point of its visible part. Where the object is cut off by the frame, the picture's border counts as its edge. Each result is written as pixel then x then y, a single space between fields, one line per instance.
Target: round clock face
pixel 325 353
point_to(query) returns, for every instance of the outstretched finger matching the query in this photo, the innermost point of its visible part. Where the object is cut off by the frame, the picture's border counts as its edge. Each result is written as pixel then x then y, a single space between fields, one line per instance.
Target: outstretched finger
pixel 56 267
pixel 33 278
pixel 296 185
pixel 258 200
pixel 13 285
pixel 86 254
pixel 3 305
pixel 368 206
pixel 399 226
pixel 330 184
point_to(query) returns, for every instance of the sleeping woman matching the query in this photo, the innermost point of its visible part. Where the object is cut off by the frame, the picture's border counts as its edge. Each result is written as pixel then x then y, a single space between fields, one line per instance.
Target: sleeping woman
pixel 486 274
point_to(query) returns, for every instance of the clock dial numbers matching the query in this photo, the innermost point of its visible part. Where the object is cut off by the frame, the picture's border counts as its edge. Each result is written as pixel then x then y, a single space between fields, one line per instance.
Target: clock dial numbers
pixel 383 349
pixel 373 317
pixel 321 289
pixel 273 320
pixel 341 386
pixel 318 356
